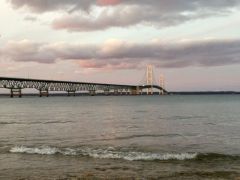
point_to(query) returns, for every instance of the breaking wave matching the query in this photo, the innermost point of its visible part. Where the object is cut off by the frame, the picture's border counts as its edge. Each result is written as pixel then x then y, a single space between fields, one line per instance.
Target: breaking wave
pixel 109 153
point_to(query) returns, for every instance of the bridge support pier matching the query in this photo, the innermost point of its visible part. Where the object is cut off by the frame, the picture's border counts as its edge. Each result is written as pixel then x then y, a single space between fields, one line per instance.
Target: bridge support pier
pixel 115 91
pixel 135 91
pixel 43 93
pixel 121 91
pixel 150 91
pixel 16 92
pixel 92 92
pixel 71 93
pixel 106 92
pixel 161 92
pixel 127 92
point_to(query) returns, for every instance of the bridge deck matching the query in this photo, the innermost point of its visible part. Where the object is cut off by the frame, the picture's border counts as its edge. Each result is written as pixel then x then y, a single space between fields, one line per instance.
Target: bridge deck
pixel 44 86
pixel 58 81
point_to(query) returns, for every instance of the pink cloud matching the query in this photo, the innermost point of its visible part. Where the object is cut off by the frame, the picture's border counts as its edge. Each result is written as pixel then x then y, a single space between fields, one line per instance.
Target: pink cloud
pixel 91 64
pixel 108 2
pixel 115 54
pixel 108 65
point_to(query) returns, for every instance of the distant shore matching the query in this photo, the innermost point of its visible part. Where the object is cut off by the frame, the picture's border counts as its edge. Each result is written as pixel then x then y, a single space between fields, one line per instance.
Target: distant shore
pixel 203 92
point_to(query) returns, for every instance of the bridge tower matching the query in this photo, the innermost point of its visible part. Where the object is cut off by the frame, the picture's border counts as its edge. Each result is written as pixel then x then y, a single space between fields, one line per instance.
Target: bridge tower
pixel 150 79
pixel 161 84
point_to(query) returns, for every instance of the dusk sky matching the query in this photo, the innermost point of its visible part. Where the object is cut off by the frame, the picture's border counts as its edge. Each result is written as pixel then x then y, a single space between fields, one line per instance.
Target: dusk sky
pixel 194 43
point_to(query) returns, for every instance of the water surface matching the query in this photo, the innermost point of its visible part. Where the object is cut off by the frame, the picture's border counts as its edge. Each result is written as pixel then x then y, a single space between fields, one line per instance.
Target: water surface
pixel 120 136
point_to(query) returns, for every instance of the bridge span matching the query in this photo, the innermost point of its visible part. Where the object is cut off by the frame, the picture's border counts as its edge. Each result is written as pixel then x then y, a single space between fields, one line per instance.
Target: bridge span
pixel 16 85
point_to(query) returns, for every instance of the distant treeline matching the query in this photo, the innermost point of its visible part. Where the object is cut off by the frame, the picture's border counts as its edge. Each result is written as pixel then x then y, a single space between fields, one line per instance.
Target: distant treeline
pixel 203 92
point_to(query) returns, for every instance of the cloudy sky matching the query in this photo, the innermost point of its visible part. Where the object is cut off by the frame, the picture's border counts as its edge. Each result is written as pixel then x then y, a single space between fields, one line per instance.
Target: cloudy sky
pixel 194 43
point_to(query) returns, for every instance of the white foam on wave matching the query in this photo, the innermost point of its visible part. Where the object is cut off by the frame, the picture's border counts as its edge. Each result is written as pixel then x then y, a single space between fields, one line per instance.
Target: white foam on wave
pixel 135 156
pixel 104 153
pixel 28 150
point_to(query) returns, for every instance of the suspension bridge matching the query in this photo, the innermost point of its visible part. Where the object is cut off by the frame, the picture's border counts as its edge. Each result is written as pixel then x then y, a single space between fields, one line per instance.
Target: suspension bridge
pixel 44 87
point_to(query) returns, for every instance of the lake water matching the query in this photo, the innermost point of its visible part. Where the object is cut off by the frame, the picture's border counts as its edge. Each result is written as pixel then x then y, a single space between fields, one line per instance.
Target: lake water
pixel 143 137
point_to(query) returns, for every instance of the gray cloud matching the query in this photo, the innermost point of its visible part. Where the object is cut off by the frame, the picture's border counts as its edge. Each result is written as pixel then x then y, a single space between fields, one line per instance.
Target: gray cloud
pixel 121 55
pixel 39 6
pixel 125 16
pixel 121 16
pixel 30 18
pixel 162 5
pixel 123 13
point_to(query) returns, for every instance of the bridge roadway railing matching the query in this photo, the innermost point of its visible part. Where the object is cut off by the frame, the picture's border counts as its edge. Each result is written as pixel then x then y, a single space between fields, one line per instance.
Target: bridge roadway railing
pixel 44 86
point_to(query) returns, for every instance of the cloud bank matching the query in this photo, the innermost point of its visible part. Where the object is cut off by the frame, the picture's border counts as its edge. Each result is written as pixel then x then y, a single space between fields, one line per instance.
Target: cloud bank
pixel 92 15
pixel 124 55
